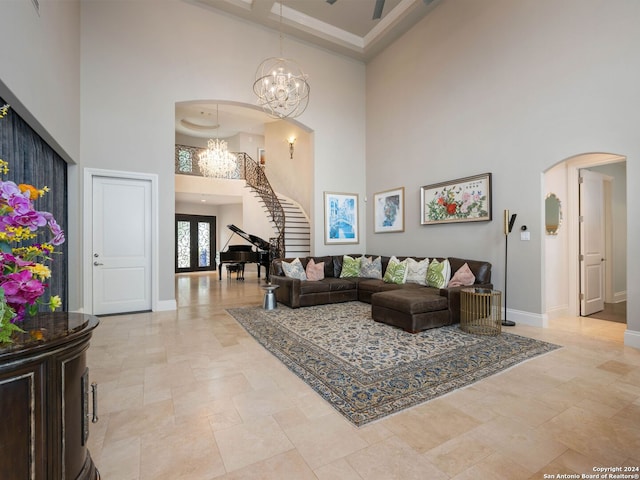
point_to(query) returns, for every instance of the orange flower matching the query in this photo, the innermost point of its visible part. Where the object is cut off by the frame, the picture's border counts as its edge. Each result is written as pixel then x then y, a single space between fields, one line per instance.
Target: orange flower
pixel 34 193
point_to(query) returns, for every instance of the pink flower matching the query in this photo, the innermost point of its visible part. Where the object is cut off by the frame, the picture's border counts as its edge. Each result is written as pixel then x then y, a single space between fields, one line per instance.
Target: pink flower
pixel 21 287
pixel 58 237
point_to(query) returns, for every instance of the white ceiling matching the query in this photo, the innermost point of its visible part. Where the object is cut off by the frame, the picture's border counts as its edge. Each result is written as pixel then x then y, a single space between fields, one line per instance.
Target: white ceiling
pixel 199 119
pixel 346 27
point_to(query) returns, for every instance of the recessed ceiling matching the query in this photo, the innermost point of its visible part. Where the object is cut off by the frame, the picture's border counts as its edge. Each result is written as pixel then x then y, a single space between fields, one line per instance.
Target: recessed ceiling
pixel 199 119
pixel 343 26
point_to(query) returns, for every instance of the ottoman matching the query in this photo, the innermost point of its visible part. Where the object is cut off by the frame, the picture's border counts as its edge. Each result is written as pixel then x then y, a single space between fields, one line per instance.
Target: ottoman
pixel 412 309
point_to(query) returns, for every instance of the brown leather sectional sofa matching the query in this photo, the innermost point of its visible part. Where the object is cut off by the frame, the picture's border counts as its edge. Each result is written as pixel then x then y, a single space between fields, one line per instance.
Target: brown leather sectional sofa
pixel 412 307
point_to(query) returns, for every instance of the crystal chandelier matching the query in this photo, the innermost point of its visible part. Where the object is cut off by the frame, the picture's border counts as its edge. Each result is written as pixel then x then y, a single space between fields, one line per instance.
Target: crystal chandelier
pixel 217 160
pixel 281 86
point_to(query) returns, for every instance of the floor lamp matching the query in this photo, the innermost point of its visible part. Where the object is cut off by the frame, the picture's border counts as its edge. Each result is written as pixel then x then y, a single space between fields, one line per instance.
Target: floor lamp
pixel 508 226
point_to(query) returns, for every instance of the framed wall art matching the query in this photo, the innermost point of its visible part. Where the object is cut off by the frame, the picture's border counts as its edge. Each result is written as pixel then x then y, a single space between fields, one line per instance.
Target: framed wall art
pixel 340 218
pixel 262 157
pixel 388 211
pixel 461 200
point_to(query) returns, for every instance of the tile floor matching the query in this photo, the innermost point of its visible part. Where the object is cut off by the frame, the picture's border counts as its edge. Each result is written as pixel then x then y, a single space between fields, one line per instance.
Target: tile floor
pixel 188 394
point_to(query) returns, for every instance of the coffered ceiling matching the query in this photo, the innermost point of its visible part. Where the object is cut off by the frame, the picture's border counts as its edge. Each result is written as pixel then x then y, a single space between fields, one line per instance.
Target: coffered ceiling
pixel 342 26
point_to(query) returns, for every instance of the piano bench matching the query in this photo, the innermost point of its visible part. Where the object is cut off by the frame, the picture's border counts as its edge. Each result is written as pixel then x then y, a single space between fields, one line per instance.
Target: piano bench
pixel 238 268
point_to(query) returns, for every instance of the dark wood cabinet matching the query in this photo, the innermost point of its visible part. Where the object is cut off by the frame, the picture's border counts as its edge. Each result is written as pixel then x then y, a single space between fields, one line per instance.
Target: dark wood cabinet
pixel 44 400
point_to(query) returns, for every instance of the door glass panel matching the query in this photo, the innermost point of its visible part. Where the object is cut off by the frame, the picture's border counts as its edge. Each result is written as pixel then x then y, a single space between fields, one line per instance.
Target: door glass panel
pixel 184 244
pixel 204 244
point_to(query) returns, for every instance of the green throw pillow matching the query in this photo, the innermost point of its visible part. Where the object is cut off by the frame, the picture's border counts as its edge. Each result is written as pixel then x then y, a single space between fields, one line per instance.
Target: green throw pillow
pixel 396 271
pixel 438 273
pixel 350 267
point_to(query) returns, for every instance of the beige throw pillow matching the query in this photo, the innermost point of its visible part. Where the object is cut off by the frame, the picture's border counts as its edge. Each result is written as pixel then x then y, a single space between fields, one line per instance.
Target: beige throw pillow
pixel 417 272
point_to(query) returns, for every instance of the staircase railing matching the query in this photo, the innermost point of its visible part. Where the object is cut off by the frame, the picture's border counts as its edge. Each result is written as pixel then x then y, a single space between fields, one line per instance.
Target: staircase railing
pixel 249 170
pixel 255 177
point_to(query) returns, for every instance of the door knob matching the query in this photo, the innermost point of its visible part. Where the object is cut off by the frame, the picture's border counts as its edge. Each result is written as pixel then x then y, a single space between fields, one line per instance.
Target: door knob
pixel 97 264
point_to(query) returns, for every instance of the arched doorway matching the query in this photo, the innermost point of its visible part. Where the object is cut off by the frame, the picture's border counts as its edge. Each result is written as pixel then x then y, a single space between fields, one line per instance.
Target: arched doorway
pixel 562 251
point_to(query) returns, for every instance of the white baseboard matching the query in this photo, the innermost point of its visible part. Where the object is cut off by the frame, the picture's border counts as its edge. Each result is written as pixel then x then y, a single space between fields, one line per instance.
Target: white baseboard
pixel 528 318
pixel 557 312
pixel 632 338
pixel 165 305
pixel 619 297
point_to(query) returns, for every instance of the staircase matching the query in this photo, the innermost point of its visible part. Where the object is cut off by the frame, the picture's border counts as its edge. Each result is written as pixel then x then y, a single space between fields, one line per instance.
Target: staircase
pixel 290 222
pixel 297 231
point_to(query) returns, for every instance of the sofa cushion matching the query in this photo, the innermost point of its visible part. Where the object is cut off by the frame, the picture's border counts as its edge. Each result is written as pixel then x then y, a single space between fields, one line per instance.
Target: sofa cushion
pixel 438 273
pixel 339 284
pixel 314 271
pixel 314 287
pixel 370 267
pixel 294 269
pixel 463 277
pixel 350 267
pixel 413 301
pixel 417 271
pixel 396 271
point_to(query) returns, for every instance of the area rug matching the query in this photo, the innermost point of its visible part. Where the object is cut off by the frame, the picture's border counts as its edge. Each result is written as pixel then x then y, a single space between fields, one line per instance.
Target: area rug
pixel 367 370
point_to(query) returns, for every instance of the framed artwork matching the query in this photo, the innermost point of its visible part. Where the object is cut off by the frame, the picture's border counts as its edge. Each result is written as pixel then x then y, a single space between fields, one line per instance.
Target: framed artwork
pixel 388 211
pixel 340 218
pixel 262 157
pixel 462 200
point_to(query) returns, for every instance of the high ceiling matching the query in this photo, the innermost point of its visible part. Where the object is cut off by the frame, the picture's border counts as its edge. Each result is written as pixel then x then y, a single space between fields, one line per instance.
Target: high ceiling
pixel 342 26
pixel 346 27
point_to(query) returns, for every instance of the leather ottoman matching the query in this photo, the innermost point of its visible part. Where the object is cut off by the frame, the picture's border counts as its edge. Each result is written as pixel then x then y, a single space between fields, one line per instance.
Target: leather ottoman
pixel 413 310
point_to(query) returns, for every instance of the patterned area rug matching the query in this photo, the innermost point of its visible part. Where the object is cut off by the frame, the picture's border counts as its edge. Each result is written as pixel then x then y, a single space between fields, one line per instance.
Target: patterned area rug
pixel 367 370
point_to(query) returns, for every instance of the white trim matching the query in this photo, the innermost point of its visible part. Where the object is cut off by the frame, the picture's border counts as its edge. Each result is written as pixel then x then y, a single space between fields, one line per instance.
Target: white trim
pixel 632 338
pixel 165 305
pixel 619 297
pixel 527 318
pixel 558 312
pixel 87 238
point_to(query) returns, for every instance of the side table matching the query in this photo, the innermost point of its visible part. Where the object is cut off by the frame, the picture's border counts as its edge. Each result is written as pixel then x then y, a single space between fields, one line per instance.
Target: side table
pixel 270 297
pixel 481 311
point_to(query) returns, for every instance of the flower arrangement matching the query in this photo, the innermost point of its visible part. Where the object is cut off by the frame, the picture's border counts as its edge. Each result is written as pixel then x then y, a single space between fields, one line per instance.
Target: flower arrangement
pixel 455 202
pixel 23 269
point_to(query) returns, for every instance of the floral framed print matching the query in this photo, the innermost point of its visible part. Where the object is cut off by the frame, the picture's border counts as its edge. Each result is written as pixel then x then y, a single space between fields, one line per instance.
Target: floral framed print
pixel 340 218
pixel 388 211
pixel 462 200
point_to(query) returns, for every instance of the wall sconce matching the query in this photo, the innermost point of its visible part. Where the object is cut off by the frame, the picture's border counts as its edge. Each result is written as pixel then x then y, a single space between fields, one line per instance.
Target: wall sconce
pixel 291 141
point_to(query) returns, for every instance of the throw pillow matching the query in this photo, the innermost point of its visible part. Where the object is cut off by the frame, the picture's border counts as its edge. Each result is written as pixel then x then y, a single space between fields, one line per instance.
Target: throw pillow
pixel 463 277
pixel 396 271
pixel 294 269
pixel 370 267
pixel 315 271
pixel 417 271
pixel 438 273
pixel 350 267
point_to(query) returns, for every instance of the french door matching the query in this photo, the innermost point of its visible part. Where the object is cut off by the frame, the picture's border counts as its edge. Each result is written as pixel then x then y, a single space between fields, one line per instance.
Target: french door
pixel 195 241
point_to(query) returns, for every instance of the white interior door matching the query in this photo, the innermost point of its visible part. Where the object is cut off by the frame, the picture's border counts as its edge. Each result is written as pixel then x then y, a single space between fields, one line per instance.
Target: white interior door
pixel 592 230
pixel 121 254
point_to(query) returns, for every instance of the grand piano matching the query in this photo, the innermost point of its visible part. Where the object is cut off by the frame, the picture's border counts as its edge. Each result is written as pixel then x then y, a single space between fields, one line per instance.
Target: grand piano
pixel 244 253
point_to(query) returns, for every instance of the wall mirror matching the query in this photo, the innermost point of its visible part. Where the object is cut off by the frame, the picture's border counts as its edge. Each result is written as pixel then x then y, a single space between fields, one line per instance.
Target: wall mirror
pixel 552 214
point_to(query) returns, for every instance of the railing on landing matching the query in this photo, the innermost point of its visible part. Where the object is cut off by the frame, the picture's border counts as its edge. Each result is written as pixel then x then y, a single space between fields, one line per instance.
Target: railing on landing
pixel 247 169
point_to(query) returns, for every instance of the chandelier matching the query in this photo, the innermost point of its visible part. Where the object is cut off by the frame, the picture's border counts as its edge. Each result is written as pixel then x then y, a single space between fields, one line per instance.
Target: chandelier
pixel 281 86
pixel 217 160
